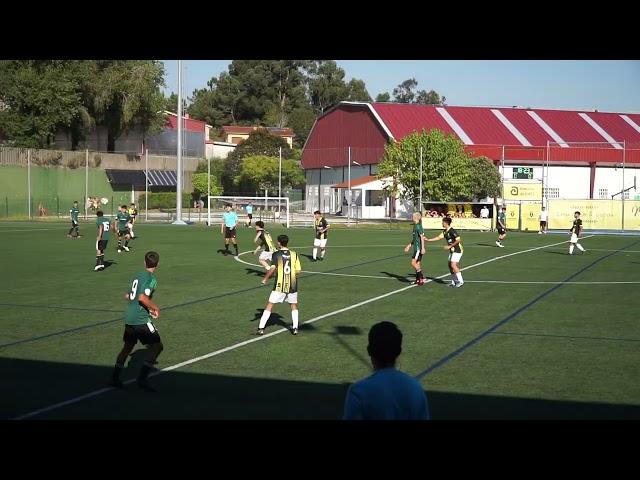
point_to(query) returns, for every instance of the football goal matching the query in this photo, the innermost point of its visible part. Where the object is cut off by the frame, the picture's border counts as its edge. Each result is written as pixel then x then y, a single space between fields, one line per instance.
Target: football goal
pixel 267 209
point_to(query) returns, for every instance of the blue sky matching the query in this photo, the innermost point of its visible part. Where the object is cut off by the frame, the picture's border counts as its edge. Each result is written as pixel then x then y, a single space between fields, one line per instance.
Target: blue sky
pixel 606 85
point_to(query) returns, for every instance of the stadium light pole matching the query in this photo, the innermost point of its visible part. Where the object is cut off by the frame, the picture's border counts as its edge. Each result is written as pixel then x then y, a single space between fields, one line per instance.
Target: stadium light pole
pixel 279 178
pixel 420 198
pixel 624 149
pixel 320 183
pixel 178 220
pixel 146 184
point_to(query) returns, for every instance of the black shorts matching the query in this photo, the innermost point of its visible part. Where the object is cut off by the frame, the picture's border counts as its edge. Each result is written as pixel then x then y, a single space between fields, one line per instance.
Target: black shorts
pixel 416 255
pixel 250 215
pixel 501 230
pixel 101 246
pixel 543 223
pixel 74 223
pixel 147 334
pixel 122 233
pixel 229 232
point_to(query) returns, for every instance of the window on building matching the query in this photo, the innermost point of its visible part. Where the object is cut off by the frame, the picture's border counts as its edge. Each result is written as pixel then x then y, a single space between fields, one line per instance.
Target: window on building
pixel 374 198
pixel 236 140
pixel 552 192
pixel 603 193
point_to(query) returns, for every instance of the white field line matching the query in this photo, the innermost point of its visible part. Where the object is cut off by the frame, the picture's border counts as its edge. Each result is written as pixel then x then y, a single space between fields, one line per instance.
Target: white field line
pixel 263 337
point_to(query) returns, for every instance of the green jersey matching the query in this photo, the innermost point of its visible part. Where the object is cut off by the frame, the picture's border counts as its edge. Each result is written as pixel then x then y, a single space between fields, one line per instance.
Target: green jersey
pixel 502 217
pixel 123 218
pixel 143 283
pixel 417 231
pixel 74 212
pixel 106 226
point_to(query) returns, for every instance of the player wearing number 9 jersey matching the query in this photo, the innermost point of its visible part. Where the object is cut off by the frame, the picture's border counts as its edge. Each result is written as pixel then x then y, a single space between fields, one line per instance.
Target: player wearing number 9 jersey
pixel 141 310
pixel 285 264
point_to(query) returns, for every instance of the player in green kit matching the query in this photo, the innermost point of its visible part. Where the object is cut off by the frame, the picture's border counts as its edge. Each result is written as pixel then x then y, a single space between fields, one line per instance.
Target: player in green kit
pixel 417 242
pixel 120 226
pixel 141 310
pixel 102 239
pixel 74 213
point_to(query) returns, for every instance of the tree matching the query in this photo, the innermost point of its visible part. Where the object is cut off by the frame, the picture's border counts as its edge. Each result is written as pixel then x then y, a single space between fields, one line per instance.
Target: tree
pixel 404 93
pixel 260 172
pixel 429 98
pixel 357 91
pixel 446 167
pixel 301 121
pixel 38 98
pixel 171 103
pixel 383 97
pixel 199 181
pixel 485 178
pixel 260 142
pixel 126 93
pixel 217 169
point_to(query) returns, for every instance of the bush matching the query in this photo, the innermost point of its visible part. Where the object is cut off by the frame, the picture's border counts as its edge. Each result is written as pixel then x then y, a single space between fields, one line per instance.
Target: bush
pixel 164 200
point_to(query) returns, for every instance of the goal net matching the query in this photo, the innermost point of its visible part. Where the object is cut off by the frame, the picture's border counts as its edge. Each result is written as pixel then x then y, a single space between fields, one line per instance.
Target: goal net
pixel 267 209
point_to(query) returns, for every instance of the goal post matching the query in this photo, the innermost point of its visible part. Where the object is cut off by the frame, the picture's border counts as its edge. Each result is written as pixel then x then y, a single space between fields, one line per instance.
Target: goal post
pixel 275 209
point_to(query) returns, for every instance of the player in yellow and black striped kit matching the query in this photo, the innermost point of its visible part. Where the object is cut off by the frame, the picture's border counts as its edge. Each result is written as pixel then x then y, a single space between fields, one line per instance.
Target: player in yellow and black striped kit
pixel 285 264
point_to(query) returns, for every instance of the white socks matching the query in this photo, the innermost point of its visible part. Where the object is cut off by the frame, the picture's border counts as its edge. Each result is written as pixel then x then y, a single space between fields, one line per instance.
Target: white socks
pixel 459 277
pixel 322 253
pixel 571 249
pixel 263 320
pixel 266 314
pixel 315 253
pixel 579 247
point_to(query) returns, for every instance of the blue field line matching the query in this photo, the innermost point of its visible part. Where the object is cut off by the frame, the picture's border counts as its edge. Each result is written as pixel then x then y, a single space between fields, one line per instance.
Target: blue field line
pixel 614 339
pixel 192 302
pixel 55 307
pixel 513 315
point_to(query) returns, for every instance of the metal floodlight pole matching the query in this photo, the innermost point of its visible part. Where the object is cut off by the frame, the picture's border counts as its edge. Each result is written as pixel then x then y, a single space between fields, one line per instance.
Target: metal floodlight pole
pixel 178 220
pixel 624 151
pixel 280 178
pixel 29 181
pixel 420 198
pixel 349 201
pixel 146 184
pixel 86 181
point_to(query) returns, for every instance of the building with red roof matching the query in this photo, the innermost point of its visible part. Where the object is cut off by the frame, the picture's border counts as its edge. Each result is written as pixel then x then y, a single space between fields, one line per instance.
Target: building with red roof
pixel 576 154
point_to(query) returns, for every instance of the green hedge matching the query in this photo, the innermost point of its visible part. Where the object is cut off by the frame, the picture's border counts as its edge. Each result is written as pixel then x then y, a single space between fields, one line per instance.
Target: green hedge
pixel 164 200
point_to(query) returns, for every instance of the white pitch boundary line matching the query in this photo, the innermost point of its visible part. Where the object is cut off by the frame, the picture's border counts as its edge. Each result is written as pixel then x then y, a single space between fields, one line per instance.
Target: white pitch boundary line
pixel 314 273
pixel 3 230
pixel 552 283
pixel 276 332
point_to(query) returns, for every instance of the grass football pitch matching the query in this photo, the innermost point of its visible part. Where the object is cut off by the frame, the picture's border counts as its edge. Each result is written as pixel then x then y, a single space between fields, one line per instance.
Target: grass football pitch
pixel 533 334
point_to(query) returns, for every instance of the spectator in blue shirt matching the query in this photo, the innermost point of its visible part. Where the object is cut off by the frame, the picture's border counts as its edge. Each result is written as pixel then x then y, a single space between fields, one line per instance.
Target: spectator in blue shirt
pixel 387 394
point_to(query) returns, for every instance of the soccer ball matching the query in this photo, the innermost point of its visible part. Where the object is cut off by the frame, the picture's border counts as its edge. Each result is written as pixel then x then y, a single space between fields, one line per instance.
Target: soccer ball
pixel 74 234
pixel 104 200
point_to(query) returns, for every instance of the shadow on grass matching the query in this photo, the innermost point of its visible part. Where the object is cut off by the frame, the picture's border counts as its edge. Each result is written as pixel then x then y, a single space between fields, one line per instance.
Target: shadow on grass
pixel 29 385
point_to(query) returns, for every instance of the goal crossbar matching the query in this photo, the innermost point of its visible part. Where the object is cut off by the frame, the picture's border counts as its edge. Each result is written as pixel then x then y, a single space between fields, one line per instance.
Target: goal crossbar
pixel 261 203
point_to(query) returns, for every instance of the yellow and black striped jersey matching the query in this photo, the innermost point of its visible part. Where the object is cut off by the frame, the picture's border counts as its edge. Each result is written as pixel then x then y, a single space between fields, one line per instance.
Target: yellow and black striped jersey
pixel 450 235
pixel 287 264
pixel 266 242
pixel 321 224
